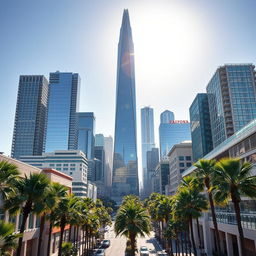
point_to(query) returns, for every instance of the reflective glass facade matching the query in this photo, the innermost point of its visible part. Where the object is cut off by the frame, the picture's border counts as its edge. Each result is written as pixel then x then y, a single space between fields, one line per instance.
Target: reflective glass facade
pixel 166 117
pixel 62 108
pixel 85 133
pixel 200 126
pixel 147 136
pixel 171 134
pixel 125 166
pixel 30 117
pixel 232 100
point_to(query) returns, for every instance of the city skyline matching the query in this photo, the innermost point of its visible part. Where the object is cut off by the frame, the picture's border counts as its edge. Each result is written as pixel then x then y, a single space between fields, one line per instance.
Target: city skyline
pixel 23 49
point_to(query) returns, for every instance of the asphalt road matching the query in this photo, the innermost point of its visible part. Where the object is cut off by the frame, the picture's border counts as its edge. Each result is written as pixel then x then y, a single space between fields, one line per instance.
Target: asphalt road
pixel 117 246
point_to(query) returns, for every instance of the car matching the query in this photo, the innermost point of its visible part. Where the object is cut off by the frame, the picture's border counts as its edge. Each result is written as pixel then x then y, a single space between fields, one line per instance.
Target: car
pixel 162 253
pixel 106 229
pixel 100 252
pixel 105 243
pixel 144 251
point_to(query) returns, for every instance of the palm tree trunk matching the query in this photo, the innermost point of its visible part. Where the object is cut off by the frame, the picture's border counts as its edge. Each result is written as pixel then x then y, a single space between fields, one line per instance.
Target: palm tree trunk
pixel 69 234
pixel 49 239
pixel 133 241
pixel 26 211
pixel 185 240
pixel 77 237
pixel 192 235
pixel 182 247
pixel 199 235
pixel 62 227
pixel 41 231
pixel 239 224
pixel 214 220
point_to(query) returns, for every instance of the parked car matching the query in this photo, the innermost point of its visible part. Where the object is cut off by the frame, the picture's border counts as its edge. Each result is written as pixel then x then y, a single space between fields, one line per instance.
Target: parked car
pixel 162 253
pixel 100 252
pixel 144 251
pixel 105 243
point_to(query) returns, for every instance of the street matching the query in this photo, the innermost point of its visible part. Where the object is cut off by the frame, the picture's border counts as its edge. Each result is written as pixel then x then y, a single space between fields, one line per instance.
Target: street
pixel 117 246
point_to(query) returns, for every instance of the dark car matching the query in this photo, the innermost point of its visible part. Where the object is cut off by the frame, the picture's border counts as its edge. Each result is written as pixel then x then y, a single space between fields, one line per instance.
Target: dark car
pixel 105 243
pixel 99 252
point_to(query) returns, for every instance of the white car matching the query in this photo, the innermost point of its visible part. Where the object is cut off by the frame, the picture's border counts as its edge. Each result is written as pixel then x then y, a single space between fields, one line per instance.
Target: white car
pixel 144 251
pixel 162 253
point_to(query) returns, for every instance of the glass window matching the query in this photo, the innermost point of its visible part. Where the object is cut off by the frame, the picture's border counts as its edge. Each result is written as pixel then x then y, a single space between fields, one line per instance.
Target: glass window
pixel 182 165
pixel 181 158
pixel 188 158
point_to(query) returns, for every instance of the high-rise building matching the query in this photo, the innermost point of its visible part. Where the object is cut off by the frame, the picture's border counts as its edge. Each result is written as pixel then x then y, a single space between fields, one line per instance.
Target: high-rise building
pixel 99 154
pixel 99 140
pixel 125 162
pixel 85 133
pixel 166 117
pixel 147 137
pixel 30 117
pixel 173 133
pixel 232 100
pixel 70 162
pixel 108 147
pixel 200 125
pixel 62 108
pixel 180 159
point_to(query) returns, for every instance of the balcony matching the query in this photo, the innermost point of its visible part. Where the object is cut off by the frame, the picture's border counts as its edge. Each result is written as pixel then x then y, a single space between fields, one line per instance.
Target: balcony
pixel 248 219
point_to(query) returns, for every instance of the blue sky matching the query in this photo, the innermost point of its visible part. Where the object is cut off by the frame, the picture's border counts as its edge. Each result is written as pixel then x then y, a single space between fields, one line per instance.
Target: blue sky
pixel 178 46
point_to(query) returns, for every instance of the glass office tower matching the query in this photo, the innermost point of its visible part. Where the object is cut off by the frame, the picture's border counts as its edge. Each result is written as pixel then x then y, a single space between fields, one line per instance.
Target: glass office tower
pixel 85 133
pixel 147 137
pixel 62 108
pixel 232 100
pixel 201 134
pixel 30 117
pixel 173 133
pixel 125 162
pixel 166 117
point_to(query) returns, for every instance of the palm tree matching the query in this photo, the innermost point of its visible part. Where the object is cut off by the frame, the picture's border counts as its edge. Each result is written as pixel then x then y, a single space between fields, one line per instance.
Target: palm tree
pixel 8 174
pixel 8 240
pixel 188 204
pixel 56 192
pixel 204 174
pixel 132 220
pixel 28 192
pixel 232 180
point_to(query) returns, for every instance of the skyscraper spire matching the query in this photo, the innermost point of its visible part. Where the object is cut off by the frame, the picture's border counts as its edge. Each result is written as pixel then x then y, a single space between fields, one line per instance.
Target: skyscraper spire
pixel 125 166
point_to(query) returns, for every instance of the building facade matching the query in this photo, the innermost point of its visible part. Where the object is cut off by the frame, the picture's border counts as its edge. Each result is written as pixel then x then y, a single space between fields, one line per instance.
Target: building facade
pixel 173 133
pixel 108 147
pixel 99 140
pixel 85 133
pixel 147 137
pixel 62 107
pixel 125 162
pixel 70 162
pixel 241 144
pixel 30 116
pixel 166 117
pixel 232 100
pixel 200 126
pixel 31 234
pixel 180 159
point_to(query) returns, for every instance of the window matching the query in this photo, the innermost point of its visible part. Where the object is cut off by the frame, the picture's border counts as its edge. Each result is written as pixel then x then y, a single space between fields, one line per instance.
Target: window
pixel 188 164
pixel 72 169
pixel 182 165
pixel 52 164
pixel 58 164
pixel 188 158
pixel 182 170
pixel 65 169
pixel 65 164
pixel 72 164
pixel 70 173
pixel 181 158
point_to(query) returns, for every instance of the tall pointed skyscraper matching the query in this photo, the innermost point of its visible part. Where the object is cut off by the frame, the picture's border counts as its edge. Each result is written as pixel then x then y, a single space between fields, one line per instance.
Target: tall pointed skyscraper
pixel 125 162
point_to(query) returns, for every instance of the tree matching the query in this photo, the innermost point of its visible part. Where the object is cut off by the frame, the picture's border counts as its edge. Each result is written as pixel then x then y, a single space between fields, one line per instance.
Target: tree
pixel 188 204
pixel 204 175
pixel 132 220
pixel 232 180
pixel 56 192
pixel 8 175
pixel 28 192
pixel 8 240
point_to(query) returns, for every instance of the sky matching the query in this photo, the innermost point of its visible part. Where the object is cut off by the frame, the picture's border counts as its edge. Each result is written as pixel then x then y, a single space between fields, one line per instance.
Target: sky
pixel 178 47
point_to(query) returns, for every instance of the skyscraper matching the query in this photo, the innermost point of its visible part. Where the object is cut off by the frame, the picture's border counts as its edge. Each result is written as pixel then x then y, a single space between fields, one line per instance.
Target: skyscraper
pixel 108 146
pixel 30 117
pixel 201 134
pixel 172 133
pixel 125 162
pixel 166 117
pixel 99 140
pixel 62 108
pixel 147 137
pixel 85 133
pixel 232 100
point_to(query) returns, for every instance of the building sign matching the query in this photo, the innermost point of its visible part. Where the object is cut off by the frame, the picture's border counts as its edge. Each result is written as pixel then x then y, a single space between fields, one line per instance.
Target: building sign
pixel 179 122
